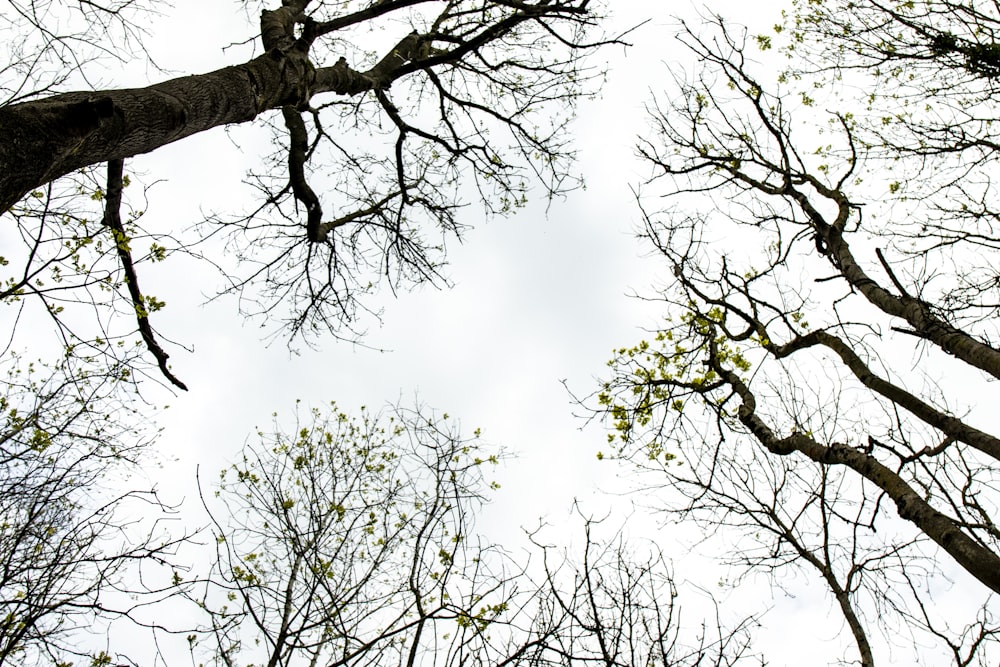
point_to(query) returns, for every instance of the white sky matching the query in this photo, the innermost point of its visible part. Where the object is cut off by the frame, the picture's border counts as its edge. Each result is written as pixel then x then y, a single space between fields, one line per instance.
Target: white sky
pixel 537 299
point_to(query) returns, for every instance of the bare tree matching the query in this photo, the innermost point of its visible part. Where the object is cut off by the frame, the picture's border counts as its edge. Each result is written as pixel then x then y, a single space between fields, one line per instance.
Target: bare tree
pixel 611 605
pixel 77 552
pixel 351 541
pixel 362 188
pixel 833 251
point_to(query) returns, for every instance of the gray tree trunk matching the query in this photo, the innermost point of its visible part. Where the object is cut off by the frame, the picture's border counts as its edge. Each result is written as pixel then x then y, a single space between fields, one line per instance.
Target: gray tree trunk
pixel 48 138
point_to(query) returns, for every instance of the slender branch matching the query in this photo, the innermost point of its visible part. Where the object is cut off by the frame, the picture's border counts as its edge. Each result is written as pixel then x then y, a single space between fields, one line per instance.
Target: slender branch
pixel 976 559
pixel 112 219
pixel 951 426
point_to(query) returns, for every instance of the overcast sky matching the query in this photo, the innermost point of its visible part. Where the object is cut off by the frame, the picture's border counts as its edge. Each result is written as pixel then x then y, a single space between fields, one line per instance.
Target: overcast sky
pixel 538 298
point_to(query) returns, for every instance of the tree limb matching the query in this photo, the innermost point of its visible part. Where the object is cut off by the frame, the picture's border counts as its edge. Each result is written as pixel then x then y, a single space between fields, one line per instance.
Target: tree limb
pixel 112 219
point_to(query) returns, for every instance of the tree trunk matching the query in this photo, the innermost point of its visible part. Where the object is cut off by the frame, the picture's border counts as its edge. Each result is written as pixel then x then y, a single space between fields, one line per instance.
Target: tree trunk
pixel 45 139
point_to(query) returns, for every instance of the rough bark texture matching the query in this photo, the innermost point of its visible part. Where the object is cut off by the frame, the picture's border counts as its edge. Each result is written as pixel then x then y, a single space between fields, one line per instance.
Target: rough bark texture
pixel 48 138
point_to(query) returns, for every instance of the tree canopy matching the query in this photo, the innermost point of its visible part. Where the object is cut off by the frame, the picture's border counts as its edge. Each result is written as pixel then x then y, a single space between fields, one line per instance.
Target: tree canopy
pixel 352 540
pixel 377 143
pixel 372 141
pixel 814 405
pixel 832 320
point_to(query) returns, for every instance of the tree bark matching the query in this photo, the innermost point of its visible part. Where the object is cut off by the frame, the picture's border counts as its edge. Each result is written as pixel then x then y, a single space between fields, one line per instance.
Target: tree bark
pixel 974 557
pixel 42 140
pixel 48 138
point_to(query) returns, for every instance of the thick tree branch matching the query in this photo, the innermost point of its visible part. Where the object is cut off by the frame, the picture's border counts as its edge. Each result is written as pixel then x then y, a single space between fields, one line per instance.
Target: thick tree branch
pixel 979 561
pixel 46 139
pixel 298 145
pixel 948 424
pixel 916 312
